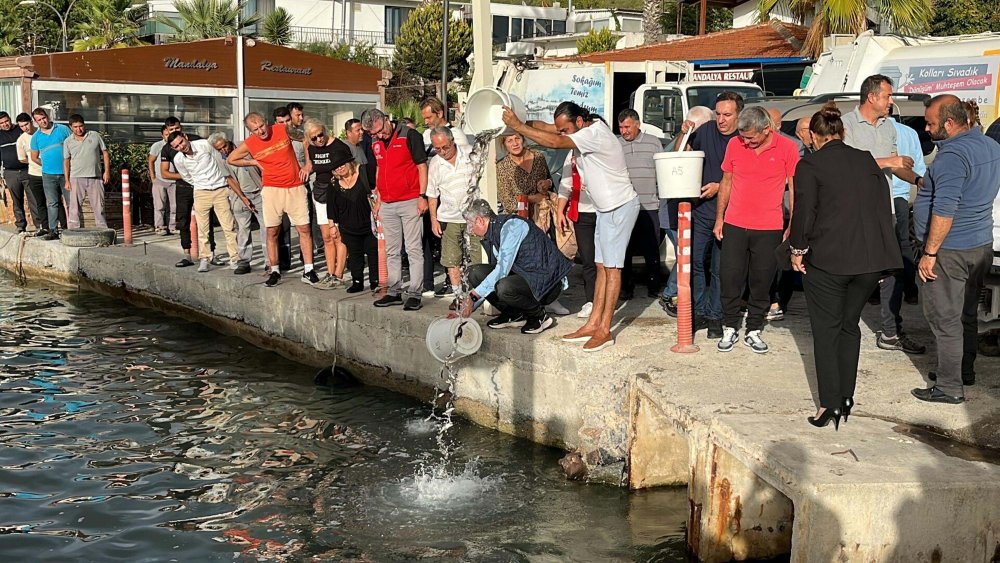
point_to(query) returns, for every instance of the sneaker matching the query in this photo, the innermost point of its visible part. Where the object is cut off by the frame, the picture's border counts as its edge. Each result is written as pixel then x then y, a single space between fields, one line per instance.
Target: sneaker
pixel 356 287
pixel 40 232
pixel 535 326
pixel 728 340
pixel 242 268
pixel 412 304
pixel 428 292
pixel 755 342
pixel 775 314
pixel 203 266
pixel 55 236
pixel 388 301
pixel 556 308
pixel 310 277
pixel 159 230
pixel 900 342
pixel 220 261
pixel 935 395
pixel 443 291
pixel 273 279
pixel 504 321
pixel 165 232
pixel 585 310
pixel 669 305
pixel 714 328
pixel 329 282
pixel 184 263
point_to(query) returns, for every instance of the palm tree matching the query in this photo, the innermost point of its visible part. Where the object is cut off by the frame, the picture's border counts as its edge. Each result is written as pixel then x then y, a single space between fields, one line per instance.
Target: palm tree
pixel 108 24
pixel 652 21
pixel 207 19
pixel 851 16
pixel 278 27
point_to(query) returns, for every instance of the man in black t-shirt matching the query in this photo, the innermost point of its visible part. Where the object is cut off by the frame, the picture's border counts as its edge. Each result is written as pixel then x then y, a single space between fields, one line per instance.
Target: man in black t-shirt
pixel 15 172
pixel 185 197
pixel 712 138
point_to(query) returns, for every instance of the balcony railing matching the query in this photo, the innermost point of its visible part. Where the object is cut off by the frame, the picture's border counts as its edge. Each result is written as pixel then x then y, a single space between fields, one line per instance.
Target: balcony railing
pixel 349 36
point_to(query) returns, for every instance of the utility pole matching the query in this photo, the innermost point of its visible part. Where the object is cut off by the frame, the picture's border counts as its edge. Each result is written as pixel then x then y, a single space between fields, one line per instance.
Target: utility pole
pixel 444 59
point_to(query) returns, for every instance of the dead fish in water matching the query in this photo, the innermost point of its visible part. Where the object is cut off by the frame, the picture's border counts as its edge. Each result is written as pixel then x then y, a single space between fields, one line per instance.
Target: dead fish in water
pixel 336 376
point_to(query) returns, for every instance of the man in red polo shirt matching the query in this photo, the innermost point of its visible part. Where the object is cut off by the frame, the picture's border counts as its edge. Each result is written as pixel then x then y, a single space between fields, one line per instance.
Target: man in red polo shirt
pixel 401 180
pixel 758 167
pixel 270 149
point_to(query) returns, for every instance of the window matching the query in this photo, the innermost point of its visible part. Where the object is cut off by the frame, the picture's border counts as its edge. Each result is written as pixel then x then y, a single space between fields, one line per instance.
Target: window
pixel 515 29
pixel 137 118
pixel 528 28
pixel 501 29
pixel 558 27
pixel 394 18
pixel 333 114
pixel 543 28
pixel 663 108
pixel 10 96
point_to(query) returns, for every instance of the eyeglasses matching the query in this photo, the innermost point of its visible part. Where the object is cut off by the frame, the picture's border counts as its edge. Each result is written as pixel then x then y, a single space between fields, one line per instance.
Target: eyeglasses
pixel 317 137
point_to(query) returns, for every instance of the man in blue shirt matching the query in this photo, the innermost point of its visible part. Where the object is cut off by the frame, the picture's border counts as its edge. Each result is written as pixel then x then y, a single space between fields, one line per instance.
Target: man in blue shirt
pixel 526 271
pixel 953 216
pixel 47 150
pixel 907 144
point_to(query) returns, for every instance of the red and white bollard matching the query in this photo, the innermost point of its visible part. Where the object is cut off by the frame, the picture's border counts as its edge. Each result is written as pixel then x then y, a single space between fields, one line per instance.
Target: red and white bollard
pixel 383 258
pixel 126 208
pixel 685 334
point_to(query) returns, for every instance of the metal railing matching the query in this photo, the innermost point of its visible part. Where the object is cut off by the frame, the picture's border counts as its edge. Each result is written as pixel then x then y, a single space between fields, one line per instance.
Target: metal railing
pixel 349 36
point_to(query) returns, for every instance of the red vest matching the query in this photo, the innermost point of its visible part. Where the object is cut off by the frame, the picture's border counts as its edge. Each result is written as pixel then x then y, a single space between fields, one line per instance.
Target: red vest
pixel 397 178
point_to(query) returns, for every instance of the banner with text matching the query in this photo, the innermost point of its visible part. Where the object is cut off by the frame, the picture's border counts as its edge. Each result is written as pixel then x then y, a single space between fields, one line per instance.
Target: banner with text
pixel 728 75
pixel 966 77
pixel 545 89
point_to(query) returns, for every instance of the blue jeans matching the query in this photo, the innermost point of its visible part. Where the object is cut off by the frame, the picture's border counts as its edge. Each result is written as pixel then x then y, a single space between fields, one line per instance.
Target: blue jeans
pixel 671 289
pixel 55 192
pixel 705 249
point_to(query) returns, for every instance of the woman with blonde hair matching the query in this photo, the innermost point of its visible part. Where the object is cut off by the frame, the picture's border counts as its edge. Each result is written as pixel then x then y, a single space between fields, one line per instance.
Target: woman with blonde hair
pixel 319 145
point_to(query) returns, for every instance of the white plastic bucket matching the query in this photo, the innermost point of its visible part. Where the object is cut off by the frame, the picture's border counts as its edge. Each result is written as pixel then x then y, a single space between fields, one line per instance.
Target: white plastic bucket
pixel 484 110
pixel 451 339
pixel 678 174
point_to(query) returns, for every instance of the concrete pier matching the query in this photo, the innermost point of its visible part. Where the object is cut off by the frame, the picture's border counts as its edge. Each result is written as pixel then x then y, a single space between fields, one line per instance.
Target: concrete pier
pixel 731 427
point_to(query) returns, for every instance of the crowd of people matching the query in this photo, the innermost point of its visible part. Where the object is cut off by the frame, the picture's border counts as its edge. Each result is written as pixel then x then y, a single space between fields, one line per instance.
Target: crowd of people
pixel 827 207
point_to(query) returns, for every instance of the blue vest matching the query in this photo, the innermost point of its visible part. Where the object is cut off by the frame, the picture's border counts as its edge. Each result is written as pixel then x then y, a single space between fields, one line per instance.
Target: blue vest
pixel 538 259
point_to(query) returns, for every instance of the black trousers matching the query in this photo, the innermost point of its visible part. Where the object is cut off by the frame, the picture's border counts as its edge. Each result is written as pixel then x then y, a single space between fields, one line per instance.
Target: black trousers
pixel 747 259
pixel 512 296
pixel 430 242
pixel 17 185
pixel 185 204
pixel 36 203
pixel 586 228
pixel 835 303
pixel 359 247
pixel 645 241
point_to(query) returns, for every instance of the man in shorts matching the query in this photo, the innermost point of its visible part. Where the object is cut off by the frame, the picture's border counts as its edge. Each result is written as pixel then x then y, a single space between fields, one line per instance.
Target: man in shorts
pixel 601 164
pixel 270 150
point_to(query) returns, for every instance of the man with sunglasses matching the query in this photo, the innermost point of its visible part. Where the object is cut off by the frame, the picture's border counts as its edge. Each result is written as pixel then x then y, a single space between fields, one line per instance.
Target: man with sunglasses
pixel 401 182
pixel 749 221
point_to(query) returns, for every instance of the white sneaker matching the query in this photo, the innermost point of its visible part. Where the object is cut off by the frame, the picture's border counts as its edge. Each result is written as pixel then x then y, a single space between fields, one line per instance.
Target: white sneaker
pixel 203 265
pixel 755 342
pixel 585 310
pixel 556 308
pixel 729 339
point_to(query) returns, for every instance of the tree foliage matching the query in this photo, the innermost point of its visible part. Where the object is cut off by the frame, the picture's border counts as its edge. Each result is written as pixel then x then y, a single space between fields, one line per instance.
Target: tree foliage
pixel 208 19
pixel 596 42
pixel 652 24
pixel 717 19
pixel 960 17
pixel 25 30
pixel 910 17
pixel 418 45
pixel 278 27
pixel 362 53
pixel 108 24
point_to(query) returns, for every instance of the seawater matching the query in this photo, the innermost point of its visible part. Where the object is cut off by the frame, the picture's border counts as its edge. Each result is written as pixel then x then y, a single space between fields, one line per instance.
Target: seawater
pixel 131 436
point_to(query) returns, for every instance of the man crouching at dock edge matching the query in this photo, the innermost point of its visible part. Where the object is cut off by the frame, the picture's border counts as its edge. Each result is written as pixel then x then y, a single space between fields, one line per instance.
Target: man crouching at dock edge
pixel 526 271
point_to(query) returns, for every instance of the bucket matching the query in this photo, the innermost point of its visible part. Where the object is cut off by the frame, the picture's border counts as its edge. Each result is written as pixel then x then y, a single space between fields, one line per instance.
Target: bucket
pixel 678 174
pixel 451 339
pixel 484 110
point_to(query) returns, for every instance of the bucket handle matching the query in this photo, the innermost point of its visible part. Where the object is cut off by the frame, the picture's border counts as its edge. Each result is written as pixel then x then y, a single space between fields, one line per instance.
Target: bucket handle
pixel 684 141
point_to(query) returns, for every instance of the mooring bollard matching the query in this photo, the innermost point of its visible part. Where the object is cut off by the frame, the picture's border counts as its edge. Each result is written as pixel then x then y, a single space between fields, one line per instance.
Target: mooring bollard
pixel 126 208
pixel 685 336
pixel 383 258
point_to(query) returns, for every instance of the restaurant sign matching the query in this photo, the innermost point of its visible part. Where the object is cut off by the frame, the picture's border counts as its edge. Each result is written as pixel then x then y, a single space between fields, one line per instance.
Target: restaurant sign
pixel 729 75
pixel 268 66
pixel 194 64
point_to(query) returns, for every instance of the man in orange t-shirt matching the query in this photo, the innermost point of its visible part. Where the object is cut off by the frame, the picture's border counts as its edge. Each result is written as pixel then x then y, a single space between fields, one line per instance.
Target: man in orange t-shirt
pixel 284 191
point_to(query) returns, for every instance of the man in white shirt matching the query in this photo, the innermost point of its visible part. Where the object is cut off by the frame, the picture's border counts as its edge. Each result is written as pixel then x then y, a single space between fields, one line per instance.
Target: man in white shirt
pixel 201 166
pixel 601 164
pixel 448 176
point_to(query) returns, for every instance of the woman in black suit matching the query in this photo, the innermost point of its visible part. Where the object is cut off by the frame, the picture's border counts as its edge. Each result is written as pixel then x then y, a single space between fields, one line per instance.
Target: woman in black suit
pixel 842 241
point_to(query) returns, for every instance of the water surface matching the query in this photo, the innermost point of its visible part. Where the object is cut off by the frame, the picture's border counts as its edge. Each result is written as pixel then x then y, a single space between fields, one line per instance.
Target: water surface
pixel 132 436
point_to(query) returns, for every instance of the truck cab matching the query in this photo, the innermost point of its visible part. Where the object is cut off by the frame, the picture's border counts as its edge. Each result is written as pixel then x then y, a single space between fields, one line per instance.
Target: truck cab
pixel 662 107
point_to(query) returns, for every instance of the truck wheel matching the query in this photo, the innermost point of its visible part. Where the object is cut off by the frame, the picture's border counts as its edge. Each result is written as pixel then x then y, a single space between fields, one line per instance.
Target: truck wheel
pixel 88 237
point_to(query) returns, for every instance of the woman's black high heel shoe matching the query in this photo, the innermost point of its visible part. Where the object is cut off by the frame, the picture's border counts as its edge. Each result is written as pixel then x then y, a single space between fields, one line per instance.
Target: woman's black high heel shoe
pixel 825 418
pixel 845 409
